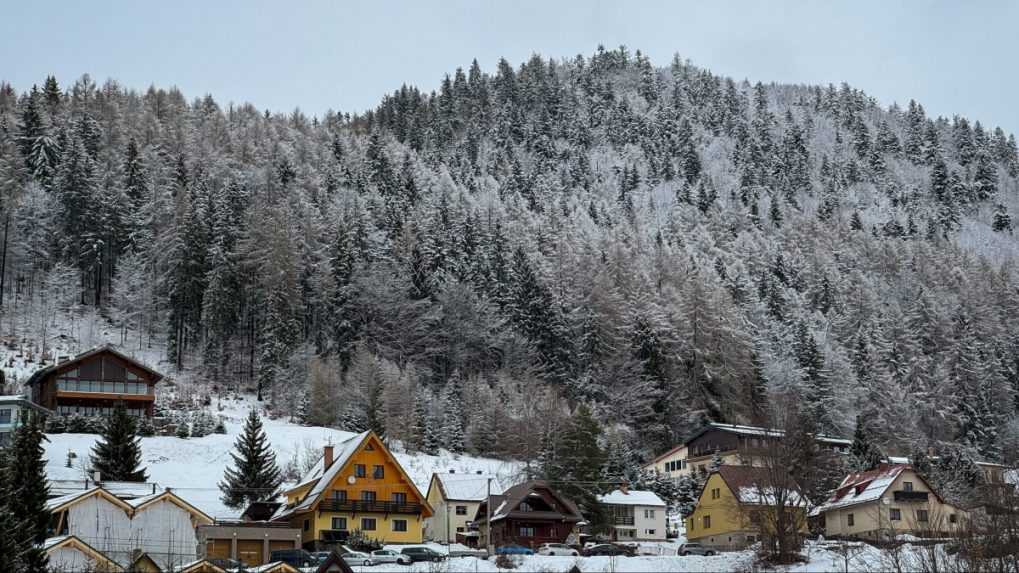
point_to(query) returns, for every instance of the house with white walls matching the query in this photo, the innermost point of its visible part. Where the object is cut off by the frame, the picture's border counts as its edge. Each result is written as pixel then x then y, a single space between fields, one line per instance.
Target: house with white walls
pixel 634 515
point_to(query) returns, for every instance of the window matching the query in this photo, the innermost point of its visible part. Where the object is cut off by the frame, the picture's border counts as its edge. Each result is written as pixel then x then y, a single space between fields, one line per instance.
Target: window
pixel 526 532
pixel 399 525
pixel 921 515
pixel 459 530
pixel 378 472
pixel 649 514
pixel 691 524
pixel 907 486
pixel 461 510
pixel 895 514
pixel 849 520
pixel 359 470
pixel 339 495
pixel 524 506
pixel 5 416
pixel 307 525
pixel 367 524
pixel 369 448
pixel 953 518
pixel 649 532
pixel 751 539
pixel 716 493
pixel 340 523
pixel 707 522
pixel 367 495
pixel 400 497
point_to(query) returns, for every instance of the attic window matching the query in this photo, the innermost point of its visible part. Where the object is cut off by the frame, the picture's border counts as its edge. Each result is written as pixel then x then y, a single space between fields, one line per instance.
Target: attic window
pixel 369 448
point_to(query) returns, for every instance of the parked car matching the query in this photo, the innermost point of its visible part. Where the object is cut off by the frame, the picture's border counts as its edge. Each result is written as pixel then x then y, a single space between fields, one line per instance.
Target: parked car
pixel 390 556
pixel 323 555
pixel 294 557
pixel 354 558
pixel 513 550
pixel 422 554
pixel 608 549
pixel 557 549
pixel 695 549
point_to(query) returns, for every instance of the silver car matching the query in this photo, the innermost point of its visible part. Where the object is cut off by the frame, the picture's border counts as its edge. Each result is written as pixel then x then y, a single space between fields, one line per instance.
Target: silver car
pixel 357 558
pixel 695 549
pixel 387 556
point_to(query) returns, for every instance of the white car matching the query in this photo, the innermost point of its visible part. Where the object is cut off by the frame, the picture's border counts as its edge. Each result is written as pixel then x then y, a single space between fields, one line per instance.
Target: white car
pixel 357 558
pixel 560 549
pixel 387 556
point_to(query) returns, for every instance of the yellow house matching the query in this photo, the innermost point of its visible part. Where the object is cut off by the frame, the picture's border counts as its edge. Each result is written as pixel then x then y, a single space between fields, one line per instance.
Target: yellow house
pixel 731 505
pixel 886 501
pixel 356 485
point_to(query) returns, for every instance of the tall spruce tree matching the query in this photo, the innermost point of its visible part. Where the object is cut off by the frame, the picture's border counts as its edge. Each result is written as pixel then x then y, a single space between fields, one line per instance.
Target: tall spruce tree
pixel 864 455
pixel 29 490
pixel 117 456
pixel 255 476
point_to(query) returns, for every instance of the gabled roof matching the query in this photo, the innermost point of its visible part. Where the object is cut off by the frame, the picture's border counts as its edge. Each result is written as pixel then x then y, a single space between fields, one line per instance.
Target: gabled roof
pixel 105 349
pixel 632 497
pixel 321 478
pixel 200 566
pixel 751 486
pixel 666 454
pixel 141 503
pixel 869 486
pixel 121 489
pixel 274 567
pixel 464 487
pixel 334 562
pixel 65 501
pixel 509 501
pixel 23 402
pixel 70 541
pixel 136 565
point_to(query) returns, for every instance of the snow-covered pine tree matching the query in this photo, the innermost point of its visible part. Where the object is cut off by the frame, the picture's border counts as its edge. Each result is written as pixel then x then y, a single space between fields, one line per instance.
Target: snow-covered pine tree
pixel 255 476
pixel 29 491
pixel 117 456
pixel 453 438
pixel 864 454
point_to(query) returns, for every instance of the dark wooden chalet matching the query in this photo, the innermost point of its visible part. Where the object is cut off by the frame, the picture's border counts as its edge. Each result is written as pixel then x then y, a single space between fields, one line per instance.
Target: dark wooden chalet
pixel 528 514
pixel 93 382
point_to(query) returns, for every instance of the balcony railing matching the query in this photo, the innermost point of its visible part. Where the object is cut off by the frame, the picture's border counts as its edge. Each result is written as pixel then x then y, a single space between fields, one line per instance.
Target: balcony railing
pixel 358 506
pixel 623 520
pixel 334 535
pixel 902 495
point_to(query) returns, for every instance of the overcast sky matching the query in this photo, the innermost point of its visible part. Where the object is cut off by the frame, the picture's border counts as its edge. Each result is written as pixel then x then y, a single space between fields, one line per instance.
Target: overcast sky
pixel 953 57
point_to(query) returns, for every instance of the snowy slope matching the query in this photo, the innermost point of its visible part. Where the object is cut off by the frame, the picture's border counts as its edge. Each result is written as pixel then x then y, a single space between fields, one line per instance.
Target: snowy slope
pixel 193 467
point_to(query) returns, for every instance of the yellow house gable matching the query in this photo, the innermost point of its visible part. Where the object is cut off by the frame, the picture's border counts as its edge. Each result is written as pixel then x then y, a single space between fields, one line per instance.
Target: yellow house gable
pixel 718 511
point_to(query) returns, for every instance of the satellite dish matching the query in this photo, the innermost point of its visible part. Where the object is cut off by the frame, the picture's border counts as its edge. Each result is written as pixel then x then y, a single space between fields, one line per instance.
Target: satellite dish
pixel 351 480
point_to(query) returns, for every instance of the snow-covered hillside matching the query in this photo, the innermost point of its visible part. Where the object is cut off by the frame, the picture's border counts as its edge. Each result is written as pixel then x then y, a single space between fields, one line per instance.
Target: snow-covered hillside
pixel 193 467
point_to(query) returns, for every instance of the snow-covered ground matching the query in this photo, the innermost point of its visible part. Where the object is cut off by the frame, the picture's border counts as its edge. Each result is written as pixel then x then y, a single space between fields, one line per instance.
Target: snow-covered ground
pixel 193 467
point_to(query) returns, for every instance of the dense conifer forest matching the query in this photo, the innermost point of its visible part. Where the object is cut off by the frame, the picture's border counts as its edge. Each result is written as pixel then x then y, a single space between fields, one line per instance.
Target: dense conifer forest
pixel 464 268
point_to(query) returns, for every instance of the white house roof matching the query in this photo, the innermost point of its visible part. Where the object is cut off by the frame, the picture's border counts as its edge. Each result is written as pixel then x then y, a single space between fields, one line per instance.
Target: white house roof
pixel 632 497
pixel 467 487
pixel 53 541
pixel 862 487
pixel 122 489
pixel 56 502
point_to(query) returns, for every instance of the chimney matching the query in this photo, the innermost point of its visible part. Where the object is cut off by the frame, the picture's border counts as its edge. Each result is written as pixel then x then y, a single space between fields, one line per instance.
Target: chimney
pixel 97 477
pixel 328 457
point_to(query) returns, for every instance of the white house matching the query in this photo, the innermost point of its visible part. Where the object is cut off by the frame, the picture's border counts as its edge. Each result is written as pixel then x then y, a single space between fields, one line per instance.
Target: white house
pixel 13 411
pixel 635 515
pixel 161 525
pixel 455 497
pixel 68 554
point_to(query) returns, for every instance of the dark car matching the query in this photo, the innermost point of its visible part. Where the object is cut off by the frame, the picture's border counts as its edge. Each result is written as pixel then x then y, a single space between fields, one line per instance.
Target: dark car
pixel 608 550
pixel 294 557
pixel 513 550
pixel 422 554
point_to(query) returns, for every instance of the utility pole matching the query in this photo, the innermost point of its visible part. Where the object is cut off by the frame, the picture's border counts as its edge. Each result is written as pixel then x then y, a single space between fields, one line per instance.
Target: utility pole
pixel 488 519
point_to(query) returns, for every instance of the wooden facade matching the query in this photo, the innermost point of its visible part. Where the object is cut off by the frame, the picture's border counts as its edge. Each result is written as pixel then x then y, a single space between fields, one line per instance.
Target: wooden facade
pixel 528 514
pixel 93 383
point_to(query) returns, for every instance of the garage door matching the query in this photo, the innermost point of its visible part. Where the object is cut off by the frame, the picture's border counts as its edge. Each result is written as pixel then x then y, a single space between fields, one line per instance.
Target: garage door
pixel 280 545
pixel 217 549
pixel 250 551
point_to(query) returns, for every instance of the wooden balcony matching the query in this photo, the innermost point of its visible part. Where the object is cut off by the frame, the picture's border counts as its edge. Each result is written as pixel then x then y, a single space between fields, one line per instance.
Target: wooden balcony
pixel 358 506
pixel 911 496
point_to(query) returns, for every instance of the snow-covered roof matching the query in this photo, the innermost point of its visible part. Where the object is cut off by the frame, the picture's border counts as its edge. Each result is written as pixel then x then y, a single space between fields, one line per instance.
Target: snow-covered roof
pixel 632 497
pixel 773 432
pixel 53 541
pixel 863 487
pixel 467 487
pixel 754 486
pixel 122 489
pixel 55 502
pixel 328 475
pixel 106 348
